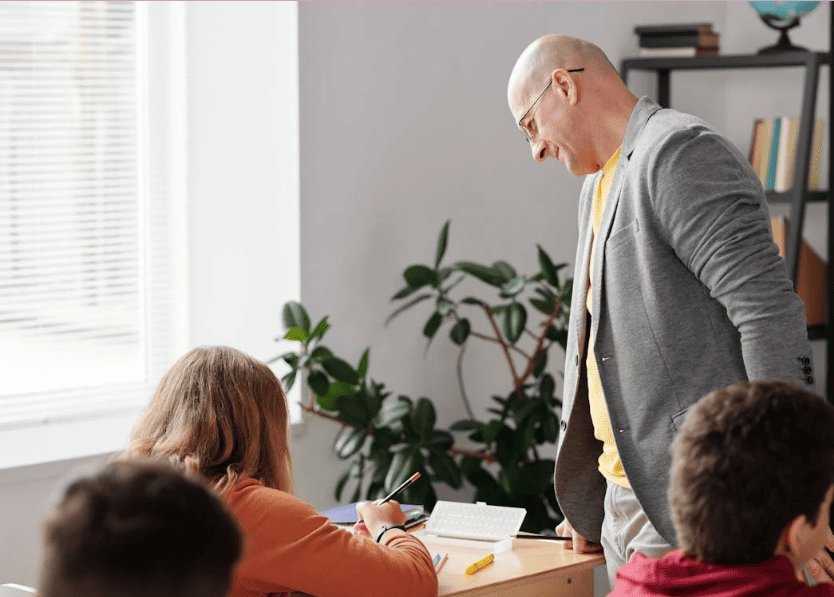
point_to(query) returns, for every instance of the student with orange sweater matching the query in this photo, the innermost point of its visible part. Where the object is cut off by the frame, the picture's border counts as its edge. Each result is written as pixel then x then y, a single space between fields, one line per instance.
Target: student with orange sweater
pixel 223 414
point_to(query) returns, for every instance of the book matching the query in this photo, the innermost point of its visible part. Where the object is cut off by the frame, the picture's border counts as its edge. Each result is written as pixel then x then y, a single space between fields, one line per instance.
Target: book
pixel 679 41
pixel 784 159
pixel 816 154
pixel 677 52
pixel 755 155
pixel 764 141
pixel 347 514
pixel 811 274
pixel 673 29
pixel 774 154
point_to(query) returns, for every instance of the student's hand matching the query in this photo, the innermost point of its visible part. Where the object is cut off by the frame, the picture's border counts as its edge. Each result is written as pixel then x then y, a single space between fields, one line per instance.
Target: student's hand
pixel 578 543
pixel 375 515
pixel 821 566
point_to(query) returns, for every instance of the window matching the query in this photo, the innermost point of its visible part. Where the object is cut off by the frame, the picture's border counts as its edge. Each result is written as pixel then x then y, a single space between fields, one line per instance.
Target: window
pixel 92 243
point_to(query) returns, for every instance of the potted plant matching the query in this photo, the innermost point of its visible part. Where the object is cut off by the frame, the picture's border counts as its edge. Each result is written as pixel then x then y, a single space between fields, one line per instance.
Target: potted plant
pixel 385 438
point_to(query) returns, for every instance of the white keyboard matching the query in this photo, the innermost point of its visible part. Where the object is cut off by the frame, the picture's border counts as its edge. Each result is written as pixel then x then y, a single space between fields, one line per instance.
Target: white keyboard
pixel 474 521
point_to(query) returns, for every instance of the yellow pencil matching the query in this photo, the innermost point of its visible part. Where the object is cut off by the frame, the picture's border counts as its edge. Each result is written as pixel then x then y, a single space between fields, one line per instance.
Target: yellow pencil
pixel 482 563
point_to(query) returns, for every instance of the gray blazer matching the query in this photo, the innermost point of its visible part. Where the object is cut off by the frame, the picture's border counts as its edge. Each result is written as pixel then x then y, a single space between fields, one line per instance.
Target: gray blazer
pixel 690 296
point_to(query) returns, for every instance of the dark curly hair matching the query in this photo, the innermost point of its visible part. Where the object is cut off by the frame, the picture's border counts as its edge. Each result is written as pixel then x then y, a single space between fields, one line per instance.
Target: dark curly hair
pixel 139 529
pixel 749 459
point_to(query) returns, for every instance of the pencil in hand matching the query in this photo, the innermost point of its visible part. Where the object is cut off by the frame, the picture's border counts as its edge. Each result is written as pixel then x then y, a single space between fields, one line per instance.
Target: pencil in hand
pixel 405 484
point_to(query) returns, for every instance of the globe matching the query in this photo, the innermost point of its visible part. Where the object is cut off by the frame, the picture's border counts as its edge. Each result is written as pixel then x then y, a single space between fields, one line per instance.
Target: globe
pixel 782 16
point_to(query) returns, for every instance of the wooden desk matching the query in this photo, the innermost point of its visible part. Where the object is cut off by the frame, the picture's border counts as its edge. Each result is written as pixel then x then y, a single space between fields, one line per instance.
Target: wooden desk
pixel 531 568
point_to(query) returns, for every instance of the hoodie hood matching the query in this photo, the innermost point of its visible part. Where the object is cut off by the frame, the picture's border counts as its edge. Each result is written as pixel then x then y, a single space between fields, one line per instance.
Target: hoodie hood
pixel 682 576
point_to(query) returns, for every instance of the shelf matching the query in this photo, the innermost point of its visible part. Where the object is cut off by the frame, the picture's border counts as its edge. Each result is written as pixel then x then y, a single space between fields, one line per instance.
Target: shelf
pixel 810 197
pixel 775 60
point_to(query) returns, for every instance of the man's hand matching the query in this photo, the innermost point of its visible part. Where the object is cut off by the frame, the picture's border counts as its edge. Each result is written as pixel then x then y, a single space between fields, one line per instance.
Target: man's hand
pixel 578 543
pixel 821 566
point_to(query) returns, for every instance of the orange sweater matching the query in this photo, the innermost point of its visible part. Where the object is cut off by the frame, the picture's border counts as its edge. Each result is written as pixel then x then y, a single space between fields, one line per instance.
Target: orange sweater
pixel 291 547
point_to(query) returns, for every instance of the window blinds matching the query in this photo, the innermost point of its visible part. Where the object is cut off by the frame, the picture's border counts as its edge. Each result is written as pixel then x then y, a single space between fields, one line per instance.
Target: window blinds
pixel 84 285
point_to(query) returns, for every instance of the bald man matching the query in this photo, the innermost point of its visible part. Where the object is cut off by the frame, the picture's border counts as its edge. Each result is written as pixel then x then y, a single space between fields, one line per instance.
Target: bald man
pixel 678 291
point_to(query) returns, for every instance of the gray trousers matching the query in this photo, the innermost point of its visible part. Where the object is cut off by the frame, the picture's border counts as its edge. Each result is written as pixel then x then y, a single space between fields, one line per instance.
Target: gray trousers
pixel 626 530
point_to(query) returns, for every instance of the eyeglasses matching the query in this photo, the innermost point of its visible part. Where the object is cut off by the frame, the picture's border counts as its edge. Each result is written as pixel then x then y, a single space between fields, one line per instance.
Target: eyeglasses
pixel 535 101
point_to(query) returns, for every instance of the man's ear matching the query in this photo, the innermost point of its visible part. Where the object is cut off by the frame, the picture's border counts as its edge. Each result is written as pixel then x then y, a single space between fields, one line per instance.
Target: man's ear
pixel 793 535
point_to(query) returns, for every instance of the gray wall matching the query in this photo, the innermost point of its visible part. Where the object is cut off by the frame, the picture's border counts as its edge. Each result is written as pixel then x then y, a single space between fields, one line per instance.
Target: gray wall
pixel 404 124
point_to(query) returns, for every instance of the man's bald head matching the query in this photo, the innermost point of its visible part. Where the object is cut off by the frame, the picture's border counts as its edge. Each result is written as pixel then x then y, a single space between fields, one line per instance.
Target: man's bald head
pixel 548 53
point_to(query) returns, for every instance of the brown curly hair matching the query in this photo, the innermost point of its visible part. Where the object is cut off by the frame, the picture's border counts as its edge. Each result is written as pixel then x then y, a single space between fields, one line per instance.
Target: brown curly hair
pixel 749 459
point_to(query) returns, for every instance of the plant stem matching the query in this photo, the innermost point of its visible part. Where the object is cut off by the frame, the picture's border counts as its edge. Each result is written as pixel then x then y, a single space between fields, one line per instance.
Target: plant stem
pixel 516 381
pixel 463 396
pixel 479 454
pixel 531 364
pixel 491 339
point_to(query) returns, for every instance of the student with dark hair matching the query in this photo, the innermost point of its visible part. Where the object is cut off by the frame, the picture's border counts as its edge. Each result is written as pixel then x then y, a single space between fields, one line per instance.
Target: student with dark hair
pixel 139 529
pixel 222 414
pixel 751 487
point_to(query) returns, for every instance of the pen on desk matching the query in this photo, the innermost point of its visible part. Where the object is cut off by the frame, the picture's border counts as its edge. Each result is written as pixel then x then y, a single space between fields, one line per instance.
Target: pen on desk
pixel 405 484
pixel 545 537
pixel 482 563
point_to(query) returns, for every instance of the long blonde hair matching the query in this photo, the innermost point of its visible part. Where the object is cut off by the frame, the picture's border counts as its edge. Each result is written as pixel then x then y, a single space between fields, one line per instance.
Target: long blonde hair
pixel 222 414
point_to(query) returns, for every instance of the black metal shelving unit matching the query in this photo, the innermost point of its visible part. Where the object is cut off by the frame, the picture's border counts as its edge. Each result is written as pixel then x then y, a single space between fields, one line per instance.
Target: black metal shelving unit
pixel 798 196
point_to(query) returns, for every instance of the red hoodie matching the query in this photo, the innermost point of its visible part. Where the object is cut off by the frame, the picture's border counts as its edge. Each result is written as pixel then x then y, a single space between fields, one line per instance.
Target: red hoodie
pixel 678 575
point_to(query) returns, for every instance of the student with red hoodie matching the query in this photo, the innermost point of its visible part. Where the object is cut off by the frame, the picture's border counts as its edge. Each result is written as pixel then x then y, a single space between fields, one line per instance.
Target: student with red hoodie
pixel 751 487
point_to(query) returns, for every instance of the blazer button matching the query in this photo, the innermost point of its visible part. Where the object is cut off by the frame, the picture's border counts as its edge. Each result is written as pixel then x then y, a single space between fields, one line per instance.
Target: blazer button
pixel 564 425
pixel 806 361
pixel 806 370
pixel 809 380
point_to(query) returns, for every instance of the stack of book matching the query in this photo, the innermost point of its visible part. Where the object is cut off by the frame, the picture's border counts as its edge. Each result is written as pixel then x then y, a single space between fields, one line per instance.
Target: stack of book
pixel 686 39
pixel 773 152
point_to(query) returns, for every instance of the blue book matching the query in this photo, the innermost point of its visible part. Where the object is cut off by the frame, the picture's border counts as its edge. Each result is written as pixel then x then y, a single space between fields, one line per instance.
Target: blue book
pixel 774 153
pixel 347 514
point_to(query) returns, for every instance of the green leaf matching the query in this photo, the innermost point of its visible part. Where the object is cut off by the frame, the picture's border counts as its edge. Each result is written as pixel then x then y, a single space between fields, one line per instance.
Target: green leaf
pixel 513 287
pixel 567 291
pixel 440 439
pixel 402 293
pixel 288 380
pixel 404 464
pixel 423 417
pixel 545 306
pixel 444 306
pixel 319 330
pixel 541 363
pixel 430 329
pixel 417 276
pixel 515 318
pixel 362 368
pixel 465 425
pixel 547 386
pixel 290 359
pixel 550 428
pixel 295 316
pixel 393 410
pixel 296 334
pixel 340 484
pixel 547 268
pixel 460 331
pixel 505 270
pixel 354 409
pixel 453 284
pixel 491 431
pixel 349 441
pixel 340 370
pixel 337 389
pixel 559 336
pixel 319 353
pixel 471 300
pixel 482 272
pixel 408 305
pixel 445 468
pixel 318 382
pixel 441 244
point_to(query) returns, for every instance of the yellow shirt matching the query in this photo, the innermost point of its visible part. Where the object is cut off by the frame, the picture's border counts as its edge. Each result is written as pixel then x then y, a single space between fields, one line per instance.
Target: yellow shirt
pixel 609 461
